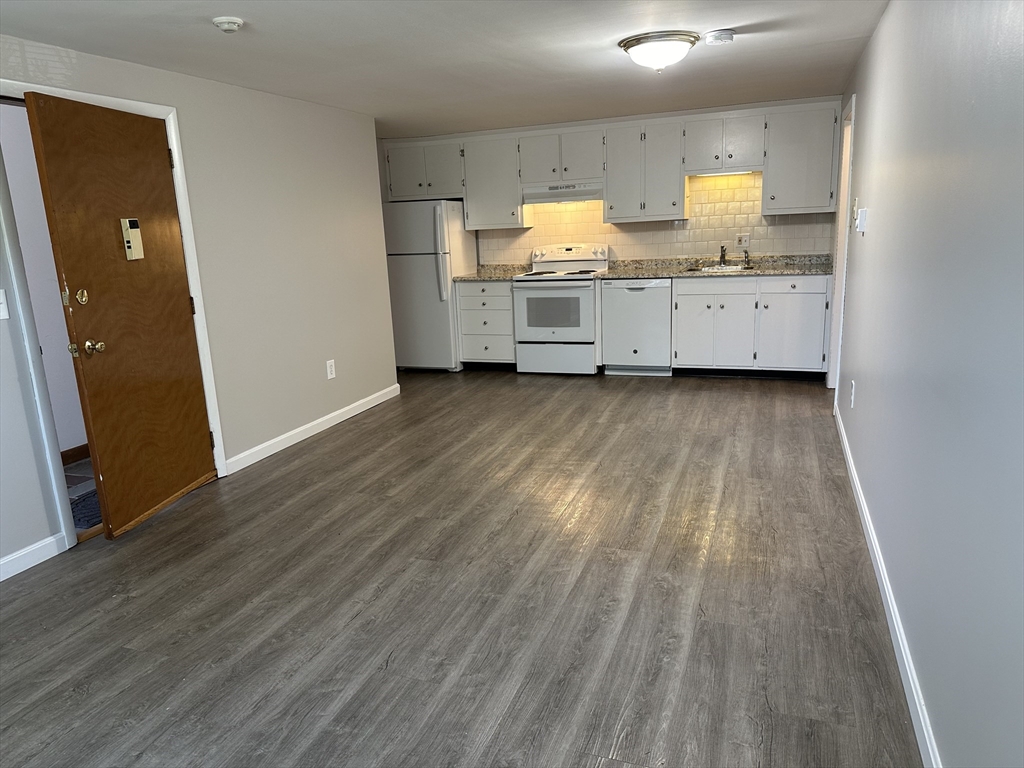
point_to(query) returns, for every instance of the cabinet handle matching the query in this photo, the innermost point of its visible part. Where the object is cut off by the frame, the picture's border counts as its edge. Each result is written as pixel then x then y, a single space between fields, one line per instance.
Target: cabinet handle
pixel 721 306
pixel 554 170
pixel 716 157
pixel 485 322
pixel 766 306
pixel 610 207
pixel 483 303
pixel 420 184
pixel 634 352
pixel 486 347
pixel 429 184
pixel 673 202
pixel 566 168
pixel 730 157
pixel 771 197
pixel 483 290
pixel 513 214
pixel 709 306
pixel 793 286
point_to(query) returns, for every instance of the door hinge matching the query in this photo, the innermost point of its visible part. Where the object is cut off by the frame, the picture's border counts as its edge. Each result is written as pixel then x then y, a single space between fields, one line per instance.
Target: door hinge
pixel 390 189
pixel 643 136
pixel 766 125
pixel 170 156
pixel 823 357
pixel 517 147
pixel 677 305
pixel 192 303
pixel 835 119
pixel 675 355
pixel 766 153
pixel 605 164
pixel 830 194
pixel 387 158
pixel 520 172
pixel 212 443
pixel 462 153
pixel 65 297
pixel 643 206
pixel 604 139
pixel 684 132
pixel 463 182
pixel 755 355
pixel 826 305
pixel 684 161
pixel 755 305
pixel 73 349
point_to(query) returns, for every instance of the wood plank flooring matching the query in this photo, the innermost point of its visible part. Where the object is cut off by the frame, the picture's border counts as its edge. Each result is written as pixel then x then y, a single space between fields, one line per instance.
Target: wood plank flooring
pixel 490 570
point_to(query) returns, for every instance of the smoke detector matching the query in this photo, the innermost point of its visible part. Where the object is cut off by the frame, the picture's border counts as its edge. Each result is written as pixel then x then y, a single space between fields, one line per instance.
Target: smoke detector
pixel 719 37
pixel 228 24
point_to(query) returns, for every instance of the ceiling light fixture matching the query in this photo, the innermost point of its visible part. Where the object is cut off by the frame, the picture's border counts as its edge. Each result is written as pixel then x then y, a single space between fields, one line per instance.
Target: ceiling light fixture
pixel 719 37
pixel 658 50
pixel 228 24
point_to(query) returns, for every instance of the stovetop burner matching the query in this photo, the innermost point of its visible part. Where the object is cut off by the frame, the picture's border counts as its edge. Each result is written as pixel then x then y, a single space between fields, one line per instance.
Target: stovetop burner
pixel 542 272
pixel 579 272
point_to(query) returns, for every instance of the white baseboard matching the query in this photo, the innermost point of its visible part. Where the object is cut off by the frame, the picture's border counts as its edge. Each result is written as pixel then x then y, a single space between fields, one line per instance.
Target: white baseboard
pixel 33 554
pixel 251 456
pixel 911 685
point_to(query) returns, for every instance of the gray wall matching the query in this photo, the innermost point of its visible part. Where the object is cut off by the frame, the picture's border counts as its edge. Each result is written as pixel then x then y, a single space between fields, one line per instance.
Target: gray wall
pixel 27 512
pixel 934 338
pixel 289 233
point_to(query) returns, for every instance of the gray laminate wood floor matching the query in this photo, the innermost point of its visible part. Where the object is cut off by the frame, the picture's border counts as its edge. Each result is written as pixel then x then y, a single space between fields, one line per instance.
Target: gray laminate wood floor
pixel 491 570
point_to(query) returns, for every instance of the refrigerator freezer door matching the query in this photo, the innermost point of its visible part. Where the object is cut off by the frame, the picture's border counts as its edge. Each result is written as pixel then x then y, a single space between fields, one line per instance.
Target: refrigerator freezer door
pixel 413 227
pixel 424 325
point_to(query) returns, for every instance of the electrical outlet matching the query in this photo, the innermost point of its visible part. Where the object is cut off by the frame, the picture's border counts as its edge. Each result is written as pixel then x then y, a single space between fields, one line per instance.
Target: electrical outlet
pixel 743 241
pixel 330 369
pixel 853 392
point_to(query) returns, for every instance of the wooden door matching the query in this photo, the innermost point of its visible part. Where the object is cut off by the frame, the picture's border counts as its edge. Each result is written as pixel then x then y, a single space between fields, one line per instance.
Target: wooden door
pixel 663 171
pixel 623 183
pixel 142 391
pixel 407 175
pixel 734 330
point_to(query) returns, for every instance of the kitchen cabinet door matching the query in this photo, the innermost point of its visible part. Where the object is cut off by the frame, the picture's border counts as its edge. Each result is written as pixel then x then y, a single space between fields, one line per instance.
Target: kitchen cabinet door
pixel 623 189
pixel 663 177
pixel 407 176
pixel 703 146
pixel 582 155
pixel 800 167
pixel 539 160
pixel 694 332
pixel 492 184
pixel 443 163
pixel 734 330
pixel 791 331
pixel 744 142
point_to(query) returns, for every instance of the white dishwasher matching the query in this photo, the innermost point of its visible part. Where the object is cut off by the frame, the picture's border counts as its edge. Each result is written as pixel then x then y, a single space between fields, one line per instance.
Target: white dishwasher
pixel 636 326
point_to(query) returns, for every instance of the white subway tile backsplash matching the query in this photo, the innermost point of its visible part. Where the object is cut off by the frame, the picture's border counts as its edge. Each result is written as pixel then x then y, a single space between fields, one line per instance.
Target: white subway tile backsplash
pixel 721 207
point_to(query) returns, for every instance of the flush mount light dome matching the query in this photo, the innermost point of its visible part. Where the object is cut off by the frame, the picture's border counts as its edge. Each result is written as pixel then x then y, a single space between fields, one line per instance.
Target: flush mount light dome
pixel 658 50
pixel 228 24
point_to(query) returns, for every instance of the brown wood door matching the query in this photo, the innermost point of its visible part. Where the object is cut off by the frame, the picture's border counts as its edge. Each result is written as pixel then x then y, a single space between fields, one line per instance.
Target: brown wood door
pixel 142 395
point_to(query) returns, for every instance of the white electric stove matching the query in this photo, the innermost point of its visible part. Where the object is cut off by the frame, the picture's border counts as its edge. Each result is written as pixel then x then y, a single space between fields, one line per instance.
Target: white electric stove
pixel 555 309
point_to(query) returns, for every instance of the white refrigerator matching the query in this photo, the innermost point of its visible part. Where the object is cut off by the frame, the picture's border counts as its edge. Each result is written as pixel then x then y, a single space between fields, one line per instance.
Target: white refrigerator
pixel 427 246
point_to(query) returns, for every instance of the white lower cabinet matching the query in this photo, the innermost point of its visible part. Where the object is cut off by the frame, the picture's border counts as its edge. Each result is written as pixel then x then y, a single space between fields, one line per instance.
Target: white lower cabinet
pixel 485 322
pixel 777 323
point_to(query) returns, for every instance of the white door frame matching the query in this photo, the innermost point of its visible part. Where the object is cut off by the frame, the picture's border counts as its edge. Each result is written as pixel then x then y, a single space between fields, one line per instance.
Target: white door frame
pixel 21 304
pixel 844 221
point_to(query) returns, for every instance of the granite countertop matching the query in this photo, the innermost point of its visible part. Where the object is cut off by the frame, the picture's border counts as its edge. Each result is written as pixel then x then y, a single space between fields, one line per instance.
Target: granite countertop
pixel 683 266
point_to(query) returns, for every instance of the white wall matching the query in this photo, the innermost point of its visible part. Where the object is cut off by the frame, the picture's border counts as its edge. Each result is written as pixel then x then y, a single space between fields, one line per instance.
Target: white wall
pixel 28 514
pixel 289 235
pixel 934 338
pixel 34 235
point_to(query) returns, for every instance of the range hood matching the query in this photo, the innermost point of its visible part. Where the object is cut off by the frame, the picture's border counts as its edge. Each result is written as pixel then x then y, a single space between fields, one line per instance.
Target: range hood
pixel 563 193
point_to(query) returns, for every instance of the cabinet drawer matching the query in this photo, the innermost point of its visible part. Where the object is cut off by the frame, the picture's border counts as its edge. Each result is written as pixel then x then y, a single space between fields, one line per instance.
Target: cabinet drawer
pixel 699 286
pixel 794 284
pixel 499 349
pixel 490 288
pixel 485 302
pixel 487 321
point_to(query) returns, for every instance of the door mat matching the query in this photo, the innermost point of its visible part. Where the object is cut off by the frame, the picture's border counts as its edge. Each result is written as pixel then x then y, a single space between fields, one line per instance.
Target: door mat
pixel 86 511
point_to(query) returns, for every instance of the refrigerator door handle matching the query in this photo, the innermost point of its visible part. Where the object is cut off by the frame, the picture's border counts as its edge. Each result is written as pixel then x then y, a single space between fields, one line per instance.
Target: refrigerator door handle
pixel 440 241
pixel 442 279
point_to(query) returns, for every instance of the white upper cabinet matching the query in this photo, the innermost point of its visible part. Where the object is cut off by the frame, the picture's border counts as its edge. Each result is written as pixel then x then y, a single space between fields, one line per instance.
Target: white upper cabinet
pixel 493 199
pixel 539 159
pixel 423 172
pixel 443 164
pixel 663 177
pixel 570 156
pixel 799 174
pixel 407 174
pixel 644 177
pixel 744 142
pixel 703 146
pixel 582 155
pixel 623 184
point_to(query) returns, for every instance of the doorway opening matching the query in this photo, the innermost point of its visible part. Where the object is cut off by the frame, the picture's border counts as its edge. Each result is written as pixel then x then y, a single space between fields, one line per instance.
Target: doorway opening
pixel 48 317
pixel 844 222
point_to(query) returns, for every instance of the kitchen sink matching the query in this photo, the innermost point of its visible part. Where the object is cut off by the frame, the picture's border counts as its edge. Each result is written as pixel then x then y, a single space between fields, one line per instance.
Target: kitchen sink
pixel 728 268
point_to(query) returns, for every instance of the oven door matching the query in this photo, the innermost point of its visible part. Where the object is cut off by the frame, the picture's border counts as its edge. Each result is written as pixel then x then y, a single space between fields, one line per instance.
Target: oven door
pixel 558 311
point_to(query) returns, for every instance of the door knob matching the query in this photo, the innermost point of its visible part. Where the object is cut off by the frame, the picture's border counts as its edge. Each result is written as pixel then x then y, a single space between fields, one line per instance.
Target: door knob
pixel 93 346
pixel 82 296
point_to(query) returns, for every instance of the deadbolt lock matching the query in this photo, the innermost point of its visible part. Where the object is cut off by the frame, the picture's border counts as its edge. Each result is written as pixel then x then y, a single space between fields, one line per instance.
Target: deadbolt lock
pixel 82 296
pixel 93 346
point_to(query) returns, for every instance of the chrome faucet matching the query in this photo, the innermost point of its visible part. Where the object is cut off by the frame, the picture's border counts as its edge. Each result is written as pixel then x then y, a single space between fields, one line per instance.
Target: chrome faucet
pixel 721 257
pixel 746 258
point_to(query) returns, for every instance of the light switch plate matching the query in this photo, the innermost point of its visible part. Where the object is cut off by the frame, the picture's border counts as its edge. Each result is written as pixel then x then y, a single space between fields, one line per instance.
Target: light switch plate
pixel 132 236
pixel 5 313
pixel 330 369
pixel 862 219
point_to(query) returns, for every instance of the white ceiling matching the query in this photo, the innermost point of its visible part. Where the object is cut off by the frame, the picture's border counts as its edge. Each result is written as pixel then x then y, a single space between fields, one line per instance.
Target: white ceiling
pixel 424 67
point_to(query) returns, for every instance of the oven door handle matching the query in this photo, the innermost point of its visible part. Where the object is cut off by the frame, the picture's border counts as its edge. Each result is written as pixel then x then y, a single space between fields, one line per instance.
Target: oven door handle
pixel 554 285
